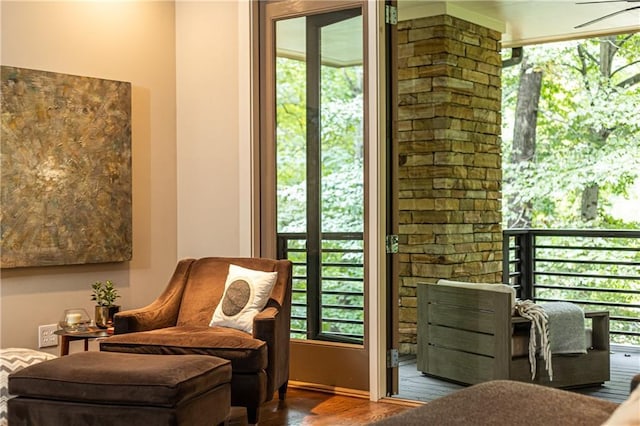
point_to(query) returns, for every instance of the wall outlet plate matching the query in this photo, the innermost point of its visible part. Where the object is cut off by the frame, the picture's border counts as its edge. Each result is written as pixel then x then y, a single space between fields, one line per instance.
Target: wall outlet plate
pixel 46 337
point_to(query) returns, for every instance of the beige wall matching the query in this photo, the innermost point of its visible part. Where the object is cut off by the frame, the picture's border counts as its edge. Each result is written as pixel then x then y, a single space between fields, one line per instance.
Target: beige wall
pixel 129 41
pixel 213 158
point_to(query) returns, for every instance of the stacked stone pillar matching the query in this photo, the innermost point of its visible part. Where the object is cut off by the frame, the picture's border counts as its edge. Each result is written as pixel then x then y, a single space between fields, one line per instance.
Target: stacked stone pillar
pixel 449 103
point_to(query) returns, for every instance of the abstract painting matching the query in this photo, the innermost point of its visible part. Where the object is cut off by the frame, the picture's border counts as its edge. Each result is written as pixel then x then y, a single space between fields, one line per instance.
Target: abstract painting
pixel 65 164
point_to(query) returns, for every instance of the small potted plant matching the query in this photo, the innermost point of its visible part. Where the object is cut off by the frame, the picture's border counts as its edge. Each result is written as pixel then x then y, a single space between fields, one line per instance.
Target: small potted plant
pixel 105 295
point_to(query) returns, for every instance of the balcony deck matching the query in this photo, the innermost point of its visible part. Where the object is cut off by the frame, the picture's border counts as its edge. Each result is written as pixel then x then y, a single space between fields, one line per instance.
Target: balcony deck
pixel 625 363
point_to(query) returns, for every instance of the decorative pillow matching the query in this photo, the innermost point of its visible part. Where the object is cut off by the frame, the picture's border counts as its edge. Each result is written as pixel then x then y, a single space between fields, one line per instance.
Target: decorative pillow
pixel 12 360
pixel 246 293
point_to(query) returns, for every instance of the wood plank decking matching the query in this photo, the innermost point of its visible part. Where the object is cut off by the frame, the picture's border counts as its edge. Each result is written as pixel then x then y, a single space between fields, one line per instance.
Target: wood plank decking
pixel 625 363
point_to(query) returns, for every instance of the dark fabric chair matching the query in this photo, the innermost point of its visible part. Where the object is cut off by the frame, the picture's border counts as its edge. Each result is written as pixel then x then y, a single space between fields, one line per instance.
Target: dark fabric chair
pixel 505 402
pixel 177 323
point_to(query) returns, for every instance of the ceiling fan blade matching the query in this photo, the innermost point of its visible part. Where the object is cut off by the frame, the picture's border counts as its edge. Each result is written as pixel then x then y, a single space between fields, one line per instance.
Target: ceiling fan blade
pixel 605 17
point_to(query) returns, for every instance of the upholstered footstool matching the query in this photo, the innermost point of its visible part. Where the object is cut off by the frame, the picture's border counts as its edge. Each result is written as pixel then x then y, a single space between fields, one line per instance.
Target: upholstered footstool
pixel 103 388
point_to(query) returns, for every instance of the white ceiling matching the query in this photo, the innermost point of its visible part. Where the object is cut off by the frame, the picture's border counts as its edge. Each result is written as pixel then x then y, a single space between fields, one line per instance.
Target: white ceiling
pixel 531 22
pixel 341 46
pixel 520 22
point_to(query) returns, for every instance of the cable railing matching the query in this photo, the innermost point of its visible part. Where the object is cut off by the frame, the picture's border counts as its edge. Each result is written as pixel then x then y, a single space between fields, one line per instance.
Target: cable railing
pixel 596 269
pixel 336 302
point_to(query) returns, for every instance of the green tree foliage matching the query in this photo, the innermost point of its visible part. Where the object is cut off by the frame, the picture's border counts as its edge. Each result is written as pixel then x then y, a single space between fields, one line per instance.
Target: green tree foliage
pixel 586 154
pixel 588 132
pixel 291 145
pixel 341 146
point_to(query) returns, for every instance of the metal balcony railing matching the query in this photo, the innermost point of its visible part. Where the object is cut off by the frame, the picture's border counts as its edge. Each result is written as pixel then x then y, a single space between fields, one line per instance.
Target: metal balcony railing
pixel 597 269
pixel 339 296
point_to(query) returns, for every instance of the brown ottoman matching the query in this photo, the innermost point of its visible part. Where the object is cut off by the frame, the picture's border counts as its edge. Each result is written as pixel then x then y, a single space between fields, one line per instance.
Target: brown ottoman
pixel 103 388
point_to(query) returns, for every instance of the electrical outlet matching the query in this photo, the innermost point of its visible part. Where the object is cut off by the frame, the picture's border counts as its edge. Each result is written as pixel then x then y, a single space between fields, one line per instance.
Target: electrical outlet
pixel 46 337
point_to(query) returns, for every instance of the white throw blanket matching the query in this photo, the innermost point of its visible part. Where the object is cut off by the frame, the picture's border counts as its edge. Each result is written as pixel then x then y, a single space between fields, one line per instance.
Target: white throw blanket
pixel 539 330
pixel 558 327
pixel 566 328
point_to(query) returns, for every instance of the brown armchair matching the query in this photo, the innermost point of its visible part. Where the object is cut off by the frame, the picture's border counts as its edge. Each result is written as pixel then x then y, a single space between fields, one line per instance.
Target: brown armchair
pixel 177 322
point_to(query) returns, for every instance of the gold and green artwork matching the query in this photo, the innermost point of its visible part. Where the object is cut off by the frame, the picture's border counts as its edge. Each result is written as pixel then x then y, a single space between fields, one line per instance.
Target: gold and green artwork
pixel 65 158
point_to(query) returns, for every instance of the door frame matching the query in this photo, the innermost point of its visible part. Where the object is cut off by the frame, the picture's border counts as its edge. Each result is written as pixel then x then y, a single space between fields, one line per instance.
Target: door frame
pixel 375 208
pixel 392 205
pixel 377 225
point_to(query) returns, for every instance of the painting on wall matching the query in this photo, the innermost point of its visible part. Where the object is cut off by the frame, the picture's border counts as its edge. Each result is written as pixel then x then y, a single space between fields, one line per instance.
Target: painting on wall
pixel 65 164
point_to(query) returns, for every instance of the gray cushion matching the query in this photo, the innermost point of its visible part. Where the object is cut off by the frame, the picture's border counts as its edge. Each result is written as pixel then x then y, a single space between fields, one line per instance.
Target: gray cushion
pixel 247 354
pixel 12 360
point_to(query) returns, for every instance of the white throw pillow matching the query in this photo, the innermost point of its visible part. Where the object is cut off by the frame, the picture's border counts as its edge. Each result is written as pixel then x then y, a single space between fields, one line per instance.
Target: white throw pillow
pixel 246 292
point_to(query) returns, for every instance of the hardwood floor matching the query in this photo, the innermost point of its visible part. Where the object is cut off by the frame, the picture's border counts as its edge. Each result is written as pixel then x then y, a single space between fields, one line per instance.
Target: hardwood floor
pixel 304 407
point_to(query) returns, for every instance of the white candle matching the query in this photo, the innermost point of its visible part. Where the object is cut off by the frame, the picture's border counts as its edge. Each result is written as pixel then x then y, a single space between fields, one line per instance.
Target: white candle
pixel 73 319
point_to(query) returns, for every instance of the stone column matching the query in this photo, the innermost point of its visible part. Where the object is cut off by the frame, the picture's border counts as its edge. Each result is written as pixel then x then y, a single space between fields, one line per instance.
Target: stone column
pixel 449 103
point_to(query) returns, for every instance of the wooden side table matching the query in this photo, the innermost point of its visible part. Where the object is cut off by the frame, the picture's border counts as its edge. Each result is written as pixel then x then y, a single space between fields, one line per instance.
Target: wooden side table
pixel 70 336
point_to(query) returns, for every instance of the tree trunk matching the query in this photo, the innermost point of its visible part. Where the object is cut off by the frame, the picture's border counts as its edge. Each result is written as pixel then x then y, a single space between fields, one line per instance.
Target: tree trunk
pixel 524 133
pixel 590 194
pixel 608 49
pixel 589 209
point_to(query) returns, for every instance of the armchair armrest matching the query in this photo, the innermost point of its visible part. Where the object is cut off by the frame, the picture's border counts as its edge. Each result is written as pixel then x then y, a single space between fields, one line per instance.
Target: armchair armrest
pixel 271 326
pixel 600 328
pixel 162 312
pixel 150 317
pixel 264 323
